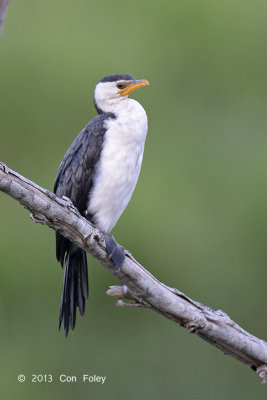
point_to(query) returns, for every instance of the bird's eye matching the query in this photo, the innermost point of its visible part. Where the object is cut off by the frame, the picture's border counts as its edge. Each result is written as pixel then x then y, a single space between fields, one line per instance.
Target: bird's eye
pixel 121 85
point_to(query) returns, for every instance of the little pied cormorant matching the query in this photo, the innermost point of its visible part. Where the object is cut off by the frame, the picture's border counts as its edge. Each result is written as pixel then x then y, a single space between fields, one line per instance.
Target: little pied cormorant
pixel 98 174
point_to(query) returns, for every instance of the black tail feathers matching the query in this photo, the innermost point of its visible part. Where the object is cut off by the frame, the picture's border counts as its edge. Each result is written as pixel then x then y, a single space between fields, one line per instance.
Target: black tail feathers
pixel 75 282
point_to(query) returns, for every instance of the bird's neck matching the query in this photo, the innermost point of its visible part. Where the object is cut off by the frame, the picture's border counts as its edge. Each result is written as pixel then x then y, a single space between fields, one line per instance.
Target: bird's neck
pixel 129 124
pixel 112 105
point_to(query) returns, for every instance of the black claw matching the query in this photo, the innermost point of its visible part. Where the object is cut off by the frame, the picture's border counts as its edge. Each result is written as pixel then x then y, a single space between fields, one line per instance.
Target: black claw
pixel 115 251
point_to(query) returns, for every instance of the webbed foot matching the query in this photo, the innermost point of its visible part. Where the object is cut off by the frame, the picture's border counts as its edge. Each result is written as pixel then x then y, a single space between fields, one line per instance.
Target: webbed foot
pixel 115 251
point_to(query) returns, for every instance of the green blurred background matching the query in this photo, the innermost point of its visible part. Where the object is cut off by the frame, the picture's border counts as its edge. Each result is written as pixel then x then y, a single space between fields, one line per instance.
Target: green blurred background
pixel 196 217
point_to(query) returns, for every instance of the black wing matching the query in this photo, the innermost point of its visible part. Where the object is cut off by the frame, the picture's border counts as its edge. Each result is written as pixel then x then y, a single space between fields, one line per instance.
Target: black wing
pixel 74 175
pixel 74 179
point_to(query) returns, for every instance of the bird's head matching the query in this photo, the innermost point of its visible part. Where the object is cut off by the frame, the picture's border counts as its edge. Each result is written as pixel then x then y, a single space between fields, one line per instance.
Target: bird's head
pixel 113 89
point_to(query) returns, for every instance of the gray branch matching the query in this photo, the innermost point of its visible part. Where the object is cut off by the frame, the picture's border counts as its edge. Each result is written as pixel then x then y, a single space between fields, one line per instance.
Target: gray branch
pixel 139 287
pixel 3 11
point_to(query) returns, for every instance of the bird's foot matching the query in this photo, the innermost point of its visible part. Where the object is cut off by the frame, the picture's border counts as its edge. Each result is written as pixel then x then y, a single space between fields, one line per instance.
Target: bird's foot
pixel 115 251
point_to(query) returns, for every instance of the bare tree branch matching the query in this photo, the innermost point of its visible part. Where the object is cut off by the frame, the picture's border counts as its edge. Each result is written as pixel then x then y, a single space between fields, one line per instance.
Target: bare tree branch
pixel 138 285
pixel 3 11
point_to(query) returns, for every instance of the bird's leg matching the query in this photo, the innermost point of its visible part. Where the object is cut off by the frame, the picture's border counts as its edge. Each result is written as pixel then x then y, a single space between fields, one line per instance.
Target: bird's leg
pixel 115 251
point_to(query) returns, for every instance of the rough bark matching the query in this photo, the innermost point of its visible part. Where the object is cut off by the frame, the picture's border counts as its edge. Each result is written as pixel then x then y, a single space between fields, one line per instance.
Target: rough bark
pixel 139 286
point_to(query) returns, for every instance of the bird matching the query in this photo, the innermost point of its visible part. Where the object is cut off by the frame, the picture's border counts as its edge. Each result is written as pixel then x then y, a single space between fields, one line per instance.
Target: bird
pixel 98 174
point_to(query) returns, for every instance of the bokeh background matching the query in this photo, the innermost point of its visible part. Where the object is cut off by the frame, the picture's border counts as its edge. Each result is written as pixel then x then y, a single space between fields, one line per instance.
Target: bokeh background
pixel 196 217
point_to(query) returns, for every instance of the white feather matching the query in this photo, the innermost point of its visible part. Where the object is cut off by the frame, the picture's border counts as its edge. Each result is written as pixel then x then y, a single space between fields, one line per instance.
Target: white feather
pixel 120 162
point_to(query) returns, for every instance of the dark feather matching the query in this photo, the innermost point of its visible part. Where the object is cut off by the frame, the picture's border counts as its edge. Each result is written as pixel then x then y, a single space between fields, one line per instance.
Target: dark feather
pixel 74 180
pixel 117 77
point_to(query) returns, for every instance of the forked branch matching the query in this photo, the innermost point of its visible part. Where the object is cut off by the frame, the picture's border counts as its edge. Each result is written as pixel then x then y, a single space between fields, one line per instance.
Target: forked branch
pixel 139 286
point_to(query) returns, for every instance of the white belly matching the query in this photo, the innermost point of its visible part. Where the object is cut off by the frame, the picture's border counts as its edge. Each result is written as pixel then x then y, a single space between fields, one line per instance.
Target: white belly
pixel 119 166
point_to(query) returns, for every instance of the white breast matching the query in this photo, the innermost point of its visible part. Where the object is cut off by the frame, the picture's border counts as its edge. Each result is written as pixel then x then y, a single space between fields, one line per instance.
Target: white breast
pixel 119 165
